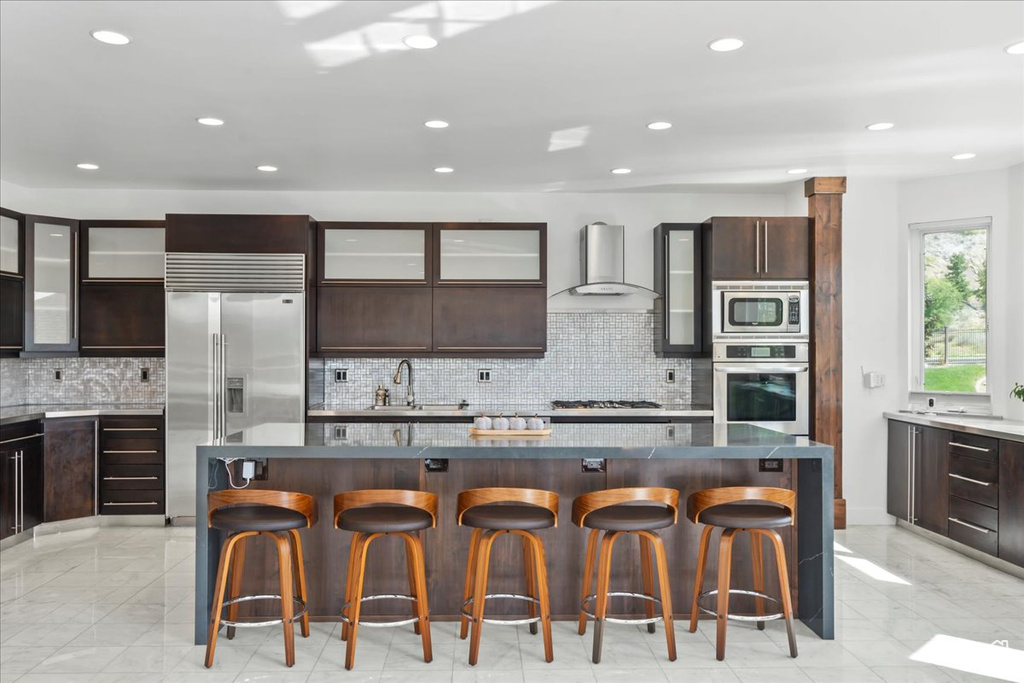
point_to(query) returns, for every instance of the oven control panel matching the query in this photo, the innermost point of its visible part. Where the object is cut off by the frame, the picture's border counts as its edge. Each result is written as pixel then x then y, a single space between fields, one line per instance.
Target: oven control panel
pixel 757 352
pixel 766 351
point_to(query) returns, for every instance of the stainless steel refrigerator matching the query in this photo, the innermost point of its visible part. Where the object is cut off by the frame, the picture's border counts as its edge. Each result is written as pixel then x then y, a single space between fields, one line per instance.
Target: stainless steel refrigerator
pixel 235 359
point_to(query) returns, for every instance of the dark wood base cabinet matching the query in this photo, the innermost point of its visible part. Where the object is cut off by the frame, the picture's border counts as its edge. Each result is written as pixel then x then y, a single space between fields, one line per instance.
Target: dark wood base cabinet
pixel 69 469
pixel 964 486
pixel 132 465
pixel 21 477
pixel 122 319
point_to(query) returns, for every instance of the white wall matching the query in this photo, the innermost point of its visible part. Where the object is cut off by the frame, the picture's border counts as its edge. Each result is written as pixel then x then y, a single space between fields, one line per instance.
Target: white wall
pixel 564 213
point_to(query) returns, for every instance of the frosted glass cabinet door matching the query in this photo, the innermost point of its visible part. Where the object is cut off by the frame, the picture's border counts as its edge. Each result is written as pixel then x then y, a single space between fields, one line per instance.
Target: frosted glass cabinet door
pixel 680 289
pixel 52 284
pixel 9 248
pixel 124 253
pixel 482 254
pixel 378 254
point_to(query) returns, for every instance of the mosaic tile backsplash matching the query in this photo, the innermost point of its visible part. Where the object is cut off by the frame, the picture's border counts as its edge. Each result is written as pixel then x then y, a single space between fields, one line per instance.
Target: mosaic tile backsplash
pixel 85 380
pixel 591 355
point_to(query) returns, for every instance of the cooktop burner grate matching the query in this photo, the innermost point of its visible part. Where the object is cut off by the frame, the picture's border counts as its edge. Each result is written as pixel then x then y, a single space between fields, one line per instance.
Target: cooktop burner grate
pixel 572 405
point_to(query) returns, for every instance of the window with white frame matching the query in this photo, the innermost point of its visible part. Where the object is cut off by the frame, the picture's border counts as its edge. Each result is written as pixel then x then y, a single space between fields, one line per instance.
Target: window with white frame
pixel 949 306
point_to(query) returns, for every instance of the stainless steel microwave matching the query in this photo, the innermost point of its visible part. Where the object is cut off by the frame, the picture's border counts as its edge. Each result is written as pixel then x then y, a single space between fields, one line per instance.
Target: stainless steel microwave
pixel 745 309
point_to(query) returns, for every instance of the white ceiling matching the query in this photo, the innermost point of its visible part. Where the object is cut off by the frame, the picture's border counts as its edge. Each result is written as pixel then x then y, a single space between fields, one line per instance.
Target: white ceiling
pixel 541 96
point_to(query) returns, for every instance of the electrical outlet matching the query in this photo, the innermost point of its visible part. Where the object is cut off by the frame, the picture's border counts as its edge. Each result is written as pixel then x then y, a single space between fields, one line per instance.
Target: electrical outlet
pixel 769 465
pixel 340 433
pixel 261 470
pixel 58 375
pixel 144 375
pixel 341 375
pixel 670 376
pixel 483 375
pixel 671 432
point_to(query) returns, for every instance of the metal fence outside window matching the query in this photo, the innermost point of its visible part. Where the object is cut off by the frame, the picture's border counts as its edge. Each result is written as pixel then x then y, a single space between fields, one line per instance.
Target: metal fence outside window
pixel 951 346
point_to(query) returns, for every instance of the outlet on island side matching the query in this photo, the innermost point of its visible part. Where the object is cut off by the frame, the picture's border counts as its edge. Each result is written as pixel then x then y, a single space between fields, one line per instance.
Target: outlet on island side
pixel 769 465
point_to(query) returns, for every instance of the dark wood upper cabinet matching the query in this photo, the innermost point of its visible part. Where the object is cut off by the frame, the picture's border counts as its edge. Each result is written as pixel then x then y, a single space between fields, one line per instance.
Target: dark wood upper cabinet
pixel 678 279
pixel 931 474
pixel 757 248
pixel 69 469
pixel 509 254
pixel 375 253
pixel 238 234
pixel 51 285
pixel 1011 502
pixel 12 242
pixel 490 321
pixel 387 321
pixel 12 283
pixel 122 319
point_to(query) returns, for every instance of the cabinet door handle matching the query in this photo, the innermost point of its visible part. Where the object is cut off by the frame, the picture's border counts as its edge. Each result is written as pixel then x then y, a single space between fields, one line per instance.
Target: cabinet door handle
pixel 973 481
pixel 757 247
pixel 17 489
pixel 130 478
pixel 131 429
pixel 21 438
pixel 132 452
pixel 766 247
pixel 74 279
pixel 973 448
pixel 970 526
pixel 150 502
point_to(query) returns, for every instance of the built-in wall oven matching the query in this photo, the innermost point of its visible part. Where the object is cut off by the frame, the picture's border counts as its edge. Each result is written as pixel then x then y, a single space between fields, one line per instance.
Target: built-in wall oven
pixel 744 309
pixel 763 383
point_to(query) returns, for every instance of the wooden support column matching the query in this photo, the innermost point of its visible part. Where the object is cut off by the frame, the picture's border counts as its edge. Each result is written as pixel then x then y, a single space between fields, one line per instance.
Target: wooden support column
pixel 825 209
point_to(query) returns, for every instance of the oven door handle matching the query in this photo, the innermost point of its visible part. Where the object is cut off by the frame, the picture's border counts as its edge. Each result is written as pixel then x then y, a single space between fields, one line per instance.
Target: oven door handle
pixel 758 368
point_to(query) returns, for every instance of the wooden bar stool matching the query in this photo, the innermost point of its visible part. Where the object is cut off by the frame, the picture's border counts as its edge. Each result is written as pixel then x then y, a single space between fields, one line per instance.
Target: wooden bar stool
pixel 758 510
pixel 274 514
pixel 371 514
pixel 493 512
pixel 605 511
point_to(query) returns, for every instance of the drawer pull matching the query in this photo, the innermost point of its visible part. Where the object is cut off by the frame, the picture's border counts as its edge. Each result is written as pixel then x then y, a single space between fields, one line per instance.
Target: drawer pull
pixel 150 502
pixel 973 448
pixel 131 429
pixel 130 478
pixel 973 481
pixel 970 526
pixel 131 451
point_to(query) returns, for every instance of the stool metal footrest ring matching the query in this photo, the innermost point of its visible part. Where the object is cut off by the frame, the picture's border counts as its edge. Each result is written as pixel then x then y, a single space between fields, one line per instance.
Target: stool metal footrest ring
pixel 503 622
pixel 381 624
pixel 299 604
pixel 622 594
pixel 742 617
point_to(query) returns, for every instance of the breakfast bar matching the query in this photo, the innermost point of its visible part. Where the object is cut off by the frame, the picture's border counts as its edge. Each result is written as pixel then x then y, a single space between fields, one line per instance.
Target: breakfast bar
pixel 324 459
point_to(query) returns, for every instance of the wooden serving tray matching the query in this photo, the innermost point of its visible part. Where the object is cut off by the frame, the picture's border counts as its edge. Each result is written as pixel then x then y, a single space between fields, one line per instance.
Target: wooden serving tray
pixel 508 433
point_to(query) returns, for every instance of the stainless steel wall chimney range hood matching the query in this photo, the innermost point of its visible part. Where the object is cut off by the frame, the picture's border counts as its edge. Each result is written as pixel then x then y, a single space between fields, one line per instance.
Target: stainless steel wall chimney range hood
pixel 602 259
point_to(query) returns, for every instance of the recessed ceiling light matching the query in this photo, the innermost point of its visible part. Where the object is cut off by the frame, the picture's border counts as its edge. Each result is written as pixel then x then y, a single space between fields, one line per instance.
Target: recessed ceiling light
pixel 964 156
pixel 88 167
pixel 659 125
pixel 458 240
pixel 621 171
pixel 111 37
pixel 420 42
pixel 880 126
pixel 443 169
pixel 56 234
pixel 351 239
pixel 725 44
pixel 436 124
pixel 1016 49
pixel 210 121
pixel 266 169
pixel 796 171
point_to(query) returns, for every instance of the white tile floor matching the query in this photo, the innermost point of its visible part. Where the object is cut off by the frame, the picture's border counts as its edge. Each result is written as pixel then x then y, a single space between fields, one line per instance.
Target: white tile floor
pixel 115 605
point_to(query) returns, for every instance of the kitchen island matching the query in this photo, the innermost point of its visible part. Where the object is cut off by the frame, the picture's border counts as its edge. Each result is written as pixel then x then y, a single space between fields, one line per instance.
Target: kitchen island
pixel 324 459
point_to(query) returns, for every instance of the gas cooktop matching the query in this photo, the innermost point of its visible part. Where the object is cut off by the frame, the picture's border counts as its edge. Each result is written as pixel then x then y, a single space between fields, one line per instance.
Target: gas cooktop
pixel 576 405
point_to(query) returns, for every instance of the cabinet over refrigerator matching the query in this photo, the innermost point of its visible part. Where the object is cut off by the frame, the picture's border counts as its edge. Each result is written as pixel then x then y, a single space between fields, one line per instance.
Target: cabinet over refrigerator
pixel 235 354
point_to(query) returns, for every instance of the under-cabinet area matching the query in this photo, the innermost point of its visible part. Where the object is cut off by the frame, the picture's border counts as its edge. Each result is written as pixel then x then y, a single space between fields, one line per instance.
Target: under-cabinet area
pixel 960 485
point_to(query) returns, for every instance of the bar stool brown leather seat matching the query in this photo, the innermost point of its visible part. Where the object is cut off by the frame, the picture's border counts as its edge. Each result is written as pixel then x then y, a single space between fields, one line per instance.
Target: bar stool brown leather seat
pixel 758 510
pixel 614 512
pixel 371 514
pixel 492 512
pixel 274 514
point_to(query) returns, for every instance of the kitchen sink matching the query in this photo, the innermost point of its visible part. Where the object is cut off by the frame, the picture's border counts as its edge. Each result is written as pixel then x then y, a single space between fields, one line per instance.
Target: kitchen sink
pixel 423 406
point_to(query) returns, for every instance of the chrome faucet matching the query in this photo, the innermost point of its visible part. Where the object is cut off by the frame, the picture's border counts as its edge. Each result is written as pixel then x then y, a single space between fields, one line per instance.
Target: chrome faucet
pixel 410 397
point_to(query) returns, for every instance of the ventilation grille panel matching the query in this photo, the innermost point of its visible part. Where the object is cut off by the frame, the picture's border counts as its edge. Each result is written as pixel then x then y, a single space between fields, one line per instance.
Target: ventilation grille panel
pixel 235 272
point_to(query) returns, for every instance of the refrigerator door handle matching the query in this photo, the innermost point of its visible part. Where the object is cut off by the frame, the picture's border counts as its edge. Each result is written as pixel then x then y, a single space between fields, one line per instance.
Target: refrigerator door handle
pixel 216 386
pixel 223 385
